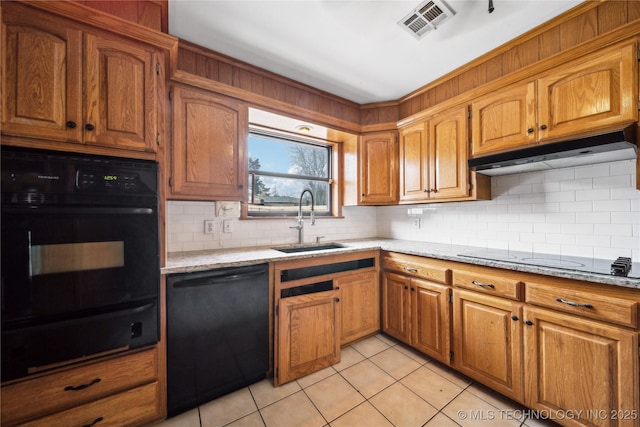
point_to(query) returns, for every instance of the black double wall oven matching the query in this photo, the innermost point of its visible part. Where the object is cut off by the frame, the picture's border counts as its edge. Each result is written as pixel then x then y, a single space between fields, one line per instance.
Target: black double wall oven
pixel 80 258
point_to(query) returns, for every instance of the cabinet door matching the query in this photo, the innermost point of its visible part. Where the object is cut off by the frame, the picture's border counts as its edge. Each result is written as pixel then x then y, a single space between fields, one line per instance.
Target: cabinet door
pixel 431 319
pixel 360 305
pixel 379 168
pixel 396 306
pixel 591 93
pixel 308 334
pixel 504 120
pixel 209 136
pixel 487 341
pixel 581 365
pixel 448 153
pixel 414 163
pixel 41 77
pixel 120 94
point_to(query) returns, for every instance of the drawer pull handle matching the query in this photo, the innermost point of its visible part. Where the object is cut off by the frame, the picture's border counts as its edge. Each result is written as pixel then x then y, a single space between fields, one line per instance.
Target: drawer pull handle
pixel 409 269
pixel 573 304
pixel 483 285
pixel 96 421
pixel 83 386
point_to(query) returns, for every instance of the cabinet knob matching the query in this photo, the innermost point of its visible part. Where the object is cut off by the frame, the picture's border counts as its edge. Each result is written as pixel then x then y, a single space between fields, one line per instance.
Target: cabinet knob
pixel 514 318
pixel 89 126
pixel 543 127
pixel 413 289
pixel 530 130
pixel 425 191
pixel 337 299
pixel 406 287
pixel 362 195
pixel 528 322
pixel 433 190
pixel 71 124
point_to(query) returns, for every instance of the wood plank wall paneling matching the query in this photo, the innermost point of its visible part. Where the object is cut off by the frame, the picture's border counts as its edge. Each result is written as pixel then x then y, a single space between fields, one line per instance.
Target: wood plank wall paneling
pixel 149 13
pixel 201 62
pixel 589 22
pixel 562 34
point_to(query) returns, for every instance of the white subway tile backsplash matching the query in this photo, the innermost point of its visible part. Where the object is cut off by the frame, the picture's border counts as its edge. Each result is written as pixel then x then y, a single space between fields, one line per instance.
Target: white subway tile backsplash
pixel 612 205
pixel 591 171
pixel 584 211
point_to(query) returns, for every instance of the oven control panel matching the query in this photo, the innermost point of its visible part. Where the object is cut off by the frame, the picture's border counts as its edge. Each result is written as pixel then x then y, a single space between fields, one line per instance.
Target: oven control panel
pixel 98 180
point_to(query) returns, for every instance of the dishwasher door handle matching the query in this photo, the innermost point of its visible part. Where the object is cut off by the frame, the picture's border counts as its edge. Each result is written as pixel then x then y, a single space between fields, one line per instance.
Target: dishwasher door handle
pixel 217 279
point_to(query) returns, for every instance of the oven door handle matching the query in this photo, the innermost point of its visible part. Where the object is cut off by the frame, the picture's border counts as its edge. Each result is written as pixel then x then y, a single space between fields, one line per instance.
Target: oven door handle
pixel 79 210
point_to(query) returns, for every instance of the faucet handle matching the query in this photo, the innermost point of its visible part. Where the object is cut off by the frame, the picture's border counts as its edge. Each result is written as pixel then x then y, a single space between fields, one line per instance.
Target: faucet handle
pixel 319 237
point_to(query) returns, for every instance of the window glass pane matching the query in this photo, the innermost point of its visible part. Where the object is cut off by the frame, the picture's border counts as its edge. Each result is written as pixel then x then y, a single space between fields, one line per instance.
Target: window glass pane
pixel 287 157
pixel 281 196
pixel 279 171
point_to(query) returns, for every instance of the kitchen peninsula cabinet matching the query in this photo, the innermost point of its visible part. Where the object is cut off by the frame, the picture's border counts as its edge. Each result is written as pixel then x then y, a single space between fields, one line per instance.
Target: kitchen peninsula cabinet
pixel 64 83
pixel 415 303
pixel 597 91
pixel 207 157
pixel 378 160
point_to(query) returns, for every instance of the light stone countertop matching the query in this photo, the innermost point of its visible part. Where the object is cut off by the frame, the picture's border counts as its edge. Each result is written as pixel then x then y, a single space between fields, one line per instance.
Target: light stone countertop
pixel 184 262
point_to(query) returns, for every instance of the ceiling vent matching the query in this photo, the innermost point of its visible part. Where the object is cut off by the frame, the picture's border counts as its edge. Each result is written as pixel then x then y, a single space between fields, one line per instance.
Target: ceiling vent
pixel 426 17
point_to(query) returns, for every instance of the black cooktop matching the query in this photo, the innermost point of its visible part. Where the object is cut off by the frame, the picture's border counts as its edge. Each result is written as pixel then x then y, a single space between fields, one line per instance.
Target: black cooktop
pixel 563 262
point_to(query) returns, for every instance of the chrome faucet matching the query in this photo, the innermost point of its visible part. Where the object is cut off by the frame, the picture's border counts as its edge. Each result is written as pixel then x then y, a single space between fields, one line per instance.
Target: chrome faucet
pixel 300 226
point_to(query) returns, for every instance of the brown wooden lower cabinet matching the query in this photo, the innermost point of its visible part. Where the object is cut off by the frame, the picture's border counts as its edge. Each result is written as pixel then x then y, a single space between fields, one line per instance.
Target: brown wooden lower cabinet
pixel 556 345
pixel 311 297
pixel 309 338
pixel 587 367
pixel 122 391
pixel 359 305
pixel 130 408
pixel 487 341
pixel 416 312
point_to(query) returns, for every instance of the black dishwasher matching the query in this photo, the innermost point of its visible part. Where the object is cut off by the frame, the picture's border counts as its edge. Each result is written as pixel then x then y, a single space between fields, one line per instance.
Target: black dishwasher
pixel 217 333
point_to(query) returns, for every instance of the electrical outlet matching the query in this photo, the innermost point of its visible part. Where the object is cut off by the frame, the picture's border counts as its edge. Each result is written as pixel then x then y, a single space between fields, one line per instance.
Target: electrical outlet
pixel 226 226
pixel 208 226
pixel 416 222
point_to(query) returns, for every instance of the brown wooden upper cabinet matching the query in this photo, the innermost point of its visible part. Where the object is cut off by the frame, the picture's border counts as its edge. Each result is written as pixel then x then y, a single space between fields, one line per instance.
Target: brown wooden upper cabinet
pixel 594 92
pixel 208 150
pixel 61 83
pixel 433 158
pixel 378 159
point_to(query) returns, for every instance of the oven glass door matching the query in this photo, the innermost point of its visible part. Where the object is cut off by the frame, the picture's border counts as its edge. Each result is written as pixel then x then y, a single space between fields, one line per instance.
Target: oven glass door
pixel 61 263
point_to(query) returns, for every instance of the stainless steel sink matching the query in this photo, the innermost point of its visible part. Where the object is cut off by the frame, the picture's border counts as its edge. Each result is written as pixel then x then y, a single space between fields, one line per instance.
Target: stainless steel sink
pixel 309 248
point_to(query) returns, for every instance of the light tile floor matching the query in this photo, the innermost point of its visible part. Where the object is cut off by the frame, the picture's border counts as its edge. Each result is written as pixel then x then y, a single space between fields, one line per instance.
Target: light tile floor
pixel 378 382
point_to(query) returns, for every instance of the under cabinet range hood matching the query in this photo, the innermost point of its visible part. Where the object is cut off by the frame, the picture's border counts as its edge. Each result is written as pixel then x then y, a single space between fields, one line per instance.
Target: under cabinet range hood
pixel 606 147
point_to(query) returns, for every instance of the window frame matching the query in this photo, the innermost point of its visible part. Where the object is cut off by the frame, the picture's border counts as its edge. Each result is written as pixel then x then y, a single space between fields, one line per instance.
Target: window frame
pixel 333 193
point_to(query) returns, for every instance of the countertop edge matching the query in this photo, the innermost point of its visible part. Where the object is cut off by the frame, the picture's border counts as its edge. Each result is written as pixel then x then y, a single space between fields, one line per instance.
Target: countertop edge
pixel 187 262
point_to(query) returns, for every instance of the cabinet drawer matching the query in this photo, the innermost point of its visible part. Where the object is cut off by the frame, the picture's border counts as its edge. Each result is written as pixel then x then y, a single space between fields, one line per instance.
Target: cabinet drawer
pixel 129 408
pixel 91 382
pixel 417 267
pixel 609 308
pixel 492 283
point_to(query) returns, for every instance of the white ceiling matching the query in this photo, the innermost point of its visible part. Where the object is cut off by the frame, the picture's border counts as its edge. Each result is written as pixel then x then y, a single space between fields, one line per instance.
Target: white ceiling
pixel 354 49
